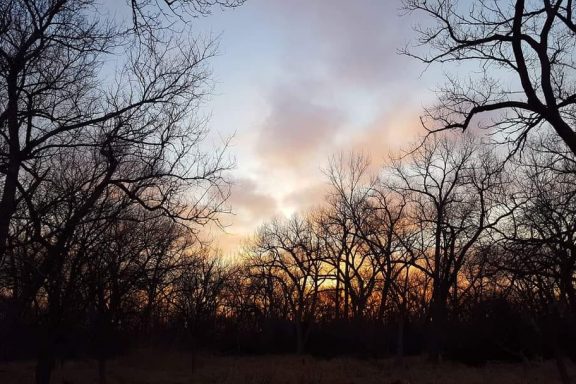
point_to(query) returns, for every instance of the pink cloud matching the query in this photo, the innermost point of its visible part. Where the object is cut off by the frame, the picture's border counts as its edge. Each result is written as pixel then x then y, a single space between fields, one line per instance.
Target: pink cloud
pixel 249 203
pixel 298 129
pixel 328 79
pixel 308 198
pixel 250 208
pixel 388 133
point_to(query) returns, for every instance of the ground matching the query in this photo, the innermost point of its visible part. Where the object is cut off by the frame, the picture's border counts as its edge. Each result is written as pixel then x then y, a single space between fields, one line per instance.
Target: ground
pixel 148 367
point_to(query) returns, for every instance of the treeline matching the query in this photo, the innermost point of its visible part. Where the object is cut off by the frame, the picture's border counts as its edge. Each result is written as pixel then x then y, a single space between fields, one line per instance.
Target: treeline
pixel 449 251
pixel 454 250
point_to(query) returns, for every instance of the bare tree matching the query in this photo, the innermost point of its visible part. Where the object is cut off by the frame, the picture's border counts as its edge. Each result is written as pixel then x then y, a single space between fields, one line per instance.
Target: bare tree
pixel 450 188
pixel 50 59
pixel 540 241
pixel 355 268
pixel 128 269
pixel 199 289
pixel 147 15
pixel 370 213
pixel 78 148
pixel 288 253
pixel 522 51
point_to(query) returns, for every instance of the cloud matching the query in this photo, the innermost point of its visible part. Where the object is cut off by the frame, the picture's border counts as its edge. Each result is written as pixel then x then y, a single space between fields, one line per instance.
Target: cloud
pixel 249 204
pixel 307 198
pixel 388 133
pixel 339 59
pixel 319 77
pixel 250 207
pixel 353 42
pixel 298 128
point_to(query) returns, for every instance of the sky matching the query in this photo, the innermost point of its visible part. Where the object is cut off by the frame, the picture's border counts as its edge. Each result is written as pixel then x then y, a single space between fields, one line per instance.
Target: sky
pixel 296 81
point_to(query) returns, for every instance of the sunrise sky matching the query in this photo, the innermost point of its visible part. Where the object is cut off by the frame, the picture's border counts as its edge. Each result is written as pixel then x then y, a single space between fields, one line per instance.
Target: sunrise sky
pixel 299 80
pixel 296 81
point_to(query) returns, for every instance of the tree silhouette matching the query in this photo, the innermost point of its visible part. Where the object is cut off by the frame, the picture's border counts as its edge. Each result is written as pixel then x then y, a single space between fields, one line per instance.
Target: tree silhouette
pixel 521 52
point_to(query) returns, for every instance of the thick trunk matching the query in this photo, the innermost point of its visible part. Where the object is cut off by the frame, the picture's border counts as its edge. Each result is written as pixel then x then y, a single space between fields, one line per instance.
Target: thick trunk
pixel 299 338
pixel 400 341
pixel 8 198
pixel 346 289
pixel 8 203
pixel 435 332
pixel 567 284
pixel 562 129
pixel 337 296
pixel 553 336
pixel 48 350
pixel 437 327
pixel 102 370
pixel 383 298
pixel 44 365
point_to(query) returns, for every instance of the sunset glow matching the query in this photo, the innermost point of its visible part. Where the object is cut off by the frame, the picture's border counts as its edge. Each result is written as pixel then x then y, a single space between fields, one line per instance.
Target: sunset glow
pixel 297 82
pixel 287 191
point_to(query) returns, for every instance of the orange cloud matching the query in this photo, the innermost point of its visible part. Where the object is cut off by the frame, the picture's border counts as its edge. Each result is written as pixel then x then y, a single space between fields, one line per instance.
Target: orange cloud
pixel 307 198
pixel 250 208
pixel 389 133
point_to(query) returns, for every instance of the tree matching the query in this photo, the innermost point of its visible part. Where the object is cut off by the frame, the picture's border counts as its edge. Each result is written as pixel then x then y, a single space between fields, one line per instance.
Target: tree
pixel 288 254
pixel 523 51
pixel 54 103
pixel 199 289
pixel 540 242
pixel 356 269
pixel 128 268
pixel 452 193
pixel 79 148
pixel 148 15
pixel 370 214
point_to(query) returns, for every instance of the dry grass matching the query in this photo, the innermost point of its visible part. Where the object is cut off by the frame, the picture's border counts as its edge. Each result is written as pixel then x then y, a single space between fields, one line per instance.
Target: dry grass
pixel 146 367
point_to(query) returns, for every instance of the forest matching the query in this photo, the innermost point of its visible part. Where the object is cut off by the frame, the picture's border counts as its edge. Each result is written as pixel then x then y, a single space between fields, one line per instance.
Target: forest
pixel 460 247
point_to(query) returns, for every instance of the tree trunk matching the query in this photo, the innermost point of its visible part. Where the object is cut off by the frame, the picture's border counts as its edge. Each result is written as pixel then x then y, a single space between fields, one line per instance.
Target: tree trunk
pixel 554 339
pixel 102 370
pixel 346 289
pixel 8 197
pixel 299 338
pixel 337 296
pixel 383 299
pixel 561 366
pixel 437 329
pixel 400 341
pixel 44 366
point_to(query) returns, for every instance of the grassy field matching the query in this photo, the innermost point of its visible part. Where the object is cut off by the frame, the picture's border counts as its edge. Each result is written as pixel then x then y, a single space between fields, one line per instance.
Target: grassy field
pixel 148 367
